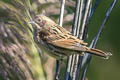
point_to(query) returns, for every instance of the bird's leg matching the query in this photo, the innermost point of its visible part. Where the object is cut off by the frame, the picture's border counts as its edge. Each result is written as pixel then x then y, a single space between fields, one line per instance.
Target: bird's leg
pixel 58 67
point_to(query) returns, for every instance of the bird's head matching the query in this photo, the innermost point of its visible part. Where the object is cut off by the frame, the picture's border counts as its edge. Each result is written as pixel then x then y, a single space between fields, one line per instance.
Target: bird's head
pixel 41 22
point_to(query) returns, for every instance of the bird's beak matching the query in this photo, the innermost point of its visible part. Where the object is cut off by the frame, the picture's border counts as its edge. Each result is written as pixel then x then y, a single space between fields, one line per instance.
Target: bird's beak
pixel 31 22
pixel 35 25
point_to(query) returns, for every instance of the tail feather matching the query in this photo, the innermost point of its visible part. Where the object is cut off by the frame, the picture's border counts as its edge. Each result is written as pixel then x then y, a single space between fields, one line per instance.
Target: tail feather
pixel 98 52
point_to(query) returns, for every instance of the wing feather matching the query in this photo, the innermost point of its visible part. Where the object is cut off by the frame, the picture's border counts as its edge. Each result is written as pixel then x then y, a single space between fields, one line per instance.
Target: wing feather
pixel 60 37
pixel 70 42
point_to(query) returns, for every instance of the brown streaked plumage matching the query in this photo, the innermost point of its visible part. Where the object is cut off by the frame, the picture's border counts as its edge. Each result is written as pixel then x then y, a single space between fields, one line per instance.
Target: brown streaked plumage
pixel 57 41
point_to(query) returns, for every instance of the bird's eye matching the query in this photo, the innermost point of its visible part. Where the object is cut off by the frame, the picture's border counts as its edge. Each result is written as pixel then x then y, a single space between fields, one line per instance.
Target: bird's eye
pixel 39 20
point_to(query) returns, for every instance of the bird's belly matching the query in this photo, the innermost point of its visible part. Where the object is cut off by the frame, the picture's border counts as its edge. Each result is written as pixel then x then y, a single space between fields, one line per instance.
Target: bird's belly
pixel 46 48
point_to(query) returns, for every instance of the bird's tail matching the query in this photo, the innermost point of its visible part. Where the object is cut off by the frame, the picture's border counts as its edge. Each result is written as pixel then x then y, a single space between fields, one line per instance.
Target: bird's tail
pixel 98 52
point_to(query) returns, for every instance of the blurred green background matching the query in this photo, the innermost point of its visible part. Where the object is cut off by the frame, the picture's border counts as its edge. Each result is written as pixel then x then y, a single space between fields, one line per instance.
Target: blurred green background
pixel 101 69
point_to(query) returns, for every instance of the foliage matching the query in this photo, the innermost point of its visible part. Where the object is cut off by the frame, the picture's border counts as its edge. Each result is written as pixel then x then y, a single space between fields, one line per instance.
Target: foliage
pixel 19 56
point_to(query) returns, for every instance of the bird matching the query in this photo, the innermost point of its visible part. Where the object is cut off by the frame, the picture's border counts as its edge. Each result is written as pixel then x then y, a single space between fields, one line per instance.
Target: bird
pixel 57 41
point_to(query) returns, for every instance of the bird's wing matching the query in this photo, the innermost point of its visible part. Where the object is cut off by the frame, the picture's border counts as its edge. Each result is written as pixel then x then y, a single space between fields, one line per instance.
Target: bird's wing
pixel 75 45
pixel 68 44
pixel 60 37
pixel 66 41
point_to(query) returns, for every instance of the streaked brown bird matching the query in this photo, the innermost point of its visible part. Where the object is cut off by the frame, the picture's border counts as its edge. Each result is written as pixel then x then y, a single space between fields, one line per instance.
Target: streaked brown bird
pixel 58 42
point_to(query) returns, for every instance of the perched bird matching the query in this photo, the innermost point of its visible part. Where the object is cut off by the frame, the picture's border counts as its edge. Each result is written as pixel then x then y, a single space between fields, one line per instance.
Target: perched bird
pixel 58 42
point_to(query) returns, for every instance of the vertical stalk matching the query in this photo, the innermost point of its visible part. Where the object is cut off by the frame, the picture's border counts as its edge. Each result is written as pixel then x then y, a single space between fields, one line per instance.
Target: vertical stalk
pixel 88 21
pixel 68 75
pixel 83 5
pixel 84 19
pixel 94 42
pixel 60 23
